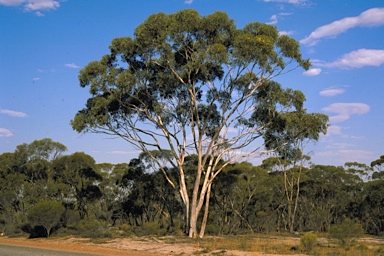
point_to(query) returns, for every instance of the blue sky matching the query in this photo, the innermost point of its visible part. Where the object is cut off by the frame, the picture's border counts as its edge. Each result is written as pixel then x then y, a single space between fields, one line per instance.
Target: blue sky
pixel 45 43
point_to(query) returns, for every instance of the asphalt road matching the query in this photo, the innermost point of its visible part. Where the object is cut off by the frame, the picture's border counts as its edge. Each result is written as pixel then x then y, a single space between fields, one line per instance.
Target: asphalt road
pixel 9 250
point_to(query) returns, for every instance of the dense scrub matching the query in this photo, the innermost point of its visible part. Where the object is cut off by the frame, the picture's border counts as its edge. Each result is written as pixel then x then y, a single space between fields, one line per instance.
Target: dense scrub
pixel 99 200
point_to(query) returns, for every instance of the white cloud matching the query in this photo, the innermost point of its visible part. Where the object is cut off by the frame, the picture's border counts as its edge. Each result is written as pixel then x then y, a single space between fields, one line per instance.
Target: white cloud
pixel 356 155
pixel 334 130
pixel 288 33
pixel 35 79
pixel 357 59
pixel 11 2
pixel 188 1
pixel 340 145
pixel 71 65
pixel 371 17
pixel 344 111
pixel 33 5
pixel 12 113
pixel 312 72
pixel 273 20
pixel 331 92
pixel 5 132
pixel 298 2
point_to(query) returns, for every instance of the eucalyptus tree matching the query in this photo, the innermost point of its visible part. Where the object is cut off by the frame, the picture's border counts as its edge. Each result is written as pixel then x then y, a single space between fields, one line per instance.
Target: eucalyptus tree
pixel 240 195
pixel 193 84
pixel 300 129
pixel 34 159
pixel 326 196
pixel 378 164
pixel 78 172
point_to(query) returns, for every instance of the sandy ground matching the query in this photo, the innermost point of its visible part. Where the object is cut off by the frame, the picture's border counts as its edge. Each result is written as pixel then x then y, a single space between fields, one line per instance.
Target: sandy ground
pixel 121 246
pixel 140 246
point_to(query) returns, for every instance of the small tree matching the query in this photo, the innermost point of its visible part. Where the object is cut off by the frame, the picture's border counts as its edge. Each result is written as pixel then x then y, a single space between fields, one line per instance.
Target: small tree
pixel 308 241
pixel 46 214
pixel 346 232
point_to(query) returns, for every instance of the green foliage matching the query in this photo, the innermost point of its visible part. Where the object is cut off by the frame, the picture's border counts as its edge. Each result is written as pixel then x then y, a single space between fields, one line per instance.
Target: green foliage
pixel 378 163
pixel 46 214
pixel 126 228
pixel 149 228
pixel 136 198
pixel 212 229
pixel 93 228
pixel 346 232
pixel 308 241
pixel 78 172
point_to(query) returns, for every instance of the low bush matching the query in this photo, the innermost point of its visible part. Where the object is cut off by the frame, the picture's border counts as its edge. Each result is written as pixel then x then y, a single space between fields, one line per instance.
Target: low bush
pixel 93 229
pixel 308 241
pixel 346 232
pixel 149 228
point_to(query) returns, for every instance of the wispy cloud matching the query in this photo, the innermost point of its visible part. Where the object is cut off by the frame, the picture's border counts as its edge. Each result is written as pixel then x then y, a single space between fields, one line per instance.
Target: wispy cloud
pixel 312 72
pixel 371 17
pixel 71 65
pixel 334 130
pixel 275 17
pixel 297 2
pixel 122 152
pixel 33 5
pixel 11 2
pixel 288 33
pixel 273 20
pixel 342 156
pixel 344 111
pixel 356 155
pixel 357 59
pixel 188 1
pixel 12 113
pixel 340 145
pixel 330 92
pixel 5 132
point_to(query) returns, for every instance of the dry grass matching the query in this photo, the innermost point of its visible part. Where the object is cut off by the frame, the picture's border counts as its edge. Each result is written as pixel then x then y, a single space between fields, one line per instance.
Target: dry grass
pixel 279 245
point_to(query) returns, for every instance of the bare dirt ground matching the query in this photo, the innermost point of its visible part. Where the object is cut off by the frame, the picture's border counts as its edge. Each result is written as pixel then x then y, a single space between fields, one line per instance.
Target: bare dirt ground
pixel 122 246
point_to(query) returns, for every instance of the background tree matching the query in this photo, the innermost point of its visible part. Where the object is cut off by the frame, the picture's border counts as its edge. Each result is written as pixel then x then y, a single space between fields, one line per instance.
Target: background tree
pixel 78 172
pixel 46 214
pixel 239 196
pixel 378 164
pixel 327 192
pixel 193 85
pixel 300 129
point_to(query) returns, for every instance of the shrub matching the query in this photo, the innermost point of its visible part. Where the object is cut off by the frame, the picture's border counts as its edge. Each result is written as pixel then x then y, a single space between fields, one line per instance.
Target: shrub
pixel 308 241
pixel 93 229
pixel 126 228
pixel 46 214
pixel 346 232
pixel 149 228
pixel 212 229
pixel 379 251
